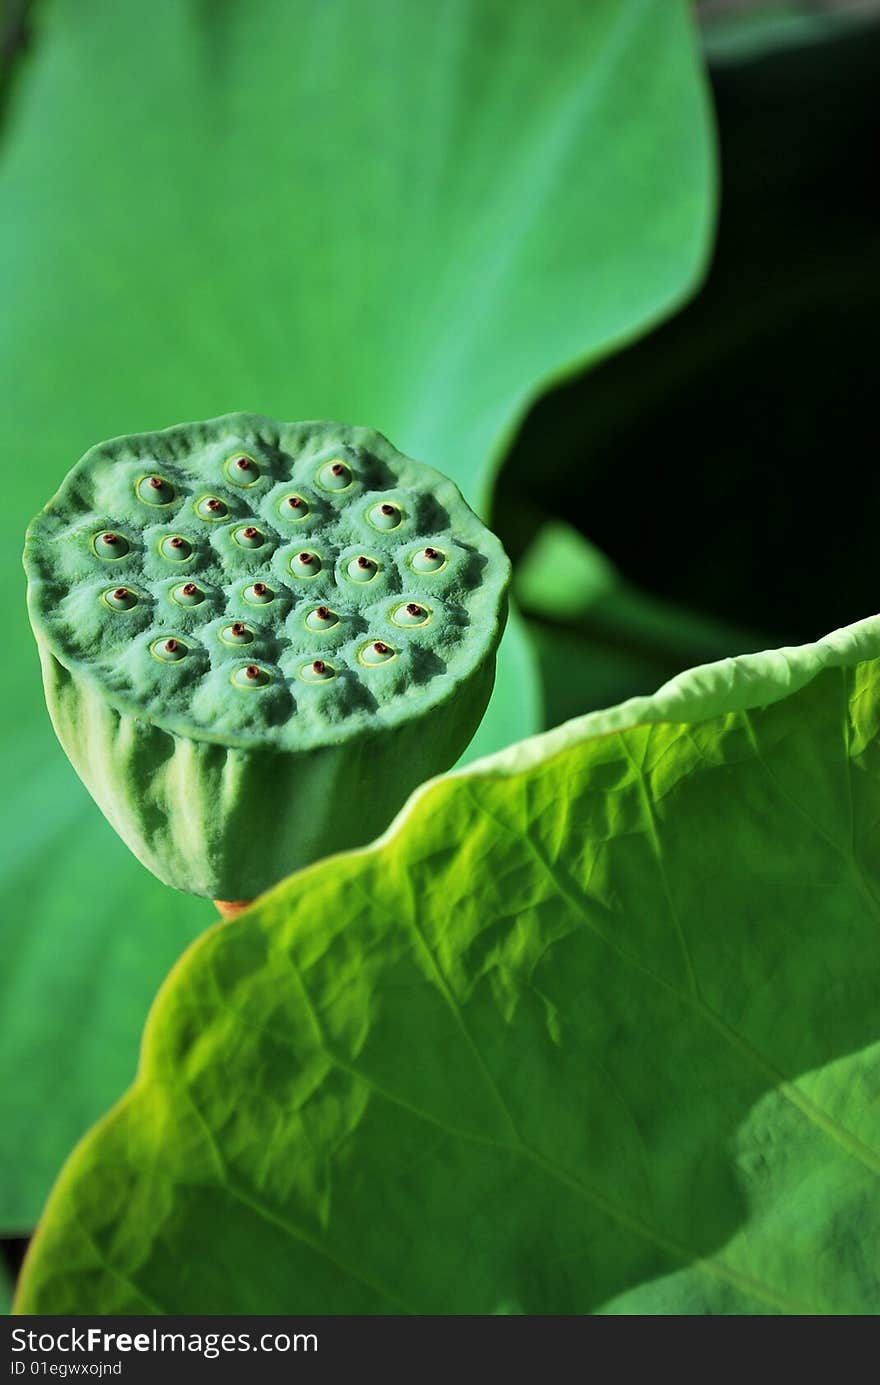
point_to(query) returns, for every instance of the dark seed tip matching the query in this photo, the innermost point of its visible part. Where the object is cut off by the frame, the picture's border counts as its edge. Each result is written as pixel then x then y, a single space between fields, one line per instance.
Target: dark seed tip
pixel 364 562
pixel 430 553
pixel 413 610
pixel 176 542
pixel 238 629
pixel 156 482
pixel 294 501
pixel 250 532
pixel 213 503
pixel 319 666
pixel 244 464
pixel 190 589
pixel 305 558
pixel 121 593
pixel 381 648
pixel 109 538
pixel 387 509
pixel 260 588
pixel 338 469
pixel 252 671
pixel 323 613
pixel 171 646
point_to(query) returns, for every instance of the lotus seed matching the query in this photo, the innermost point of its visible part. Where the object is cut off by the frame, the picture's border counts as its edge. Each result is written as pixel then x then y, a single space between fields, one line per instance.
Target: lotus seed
pixel 334 476
pixel 175 548
pixel 258 594
pixel 428 560
pixel 188 594
pixel 154 490
pixel 317 672
pixel 242 470
pixel 294 507
pixel 252 676
pixel 410 614
pixel 384 516
pixel 249 537
pixel 154 747
pixel 362 569
pixel 169 651
pixel 120 599
pixel 305 565
pixel 237 633
pixel 210 507
pixel 110 545
pixel 378 652
pixel 322 618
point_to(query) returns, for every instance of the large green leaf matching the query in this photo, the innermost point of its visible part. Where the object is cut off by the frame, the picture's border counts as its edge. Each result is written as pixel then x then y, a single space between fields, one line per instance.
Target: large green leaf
pixel 408 215
pixel 593 1029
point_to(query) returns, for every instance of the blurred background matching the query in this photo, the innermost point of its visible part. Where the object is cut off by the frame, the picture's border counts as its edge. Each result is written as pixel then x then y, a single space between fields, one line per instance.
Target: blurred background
pixel 613 267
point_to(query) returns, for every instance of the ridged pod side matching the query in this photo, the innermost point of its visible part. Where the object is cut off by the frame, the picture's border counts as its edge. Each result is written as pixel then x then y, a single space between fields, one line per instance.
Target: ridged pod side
pixel 227 822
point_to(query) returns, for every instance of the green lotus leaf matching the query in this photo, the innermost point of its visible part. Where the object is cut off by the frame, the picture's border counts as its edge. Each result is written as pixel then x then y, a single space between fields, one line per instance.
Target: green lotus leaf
pixel 401 214
pixel 613 1051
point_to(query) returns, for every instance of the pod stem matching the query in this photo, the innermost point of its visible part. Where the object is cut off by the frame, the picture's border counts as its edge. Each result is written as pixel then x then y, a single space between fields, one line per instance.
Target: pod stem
pixel 231 908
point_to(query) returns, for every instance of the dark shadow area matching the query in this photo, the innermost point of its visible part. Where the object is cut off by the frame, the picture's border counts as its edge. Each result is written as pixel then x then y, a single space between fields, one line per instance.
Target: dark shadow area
pixel 12 1253
pixel 16 39
pixel 725 462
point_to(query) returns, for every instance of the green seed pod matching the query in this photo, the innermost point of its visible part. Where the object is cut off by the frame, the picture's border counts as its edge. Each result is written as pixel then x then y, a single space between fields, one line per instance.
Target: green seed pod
pixel 255 671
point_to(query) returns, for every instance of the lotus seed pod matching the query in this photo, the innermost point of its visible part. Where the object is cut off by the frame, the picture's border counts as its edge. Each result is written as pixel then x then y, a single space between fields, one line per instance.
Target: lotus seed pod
pixel 245 684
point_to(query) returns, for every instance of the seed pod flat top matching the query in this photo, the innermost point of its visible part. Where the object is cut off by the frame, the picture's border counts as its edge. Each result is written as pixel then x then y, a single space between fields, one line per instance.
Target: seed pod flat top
pixel 242 622
pixel 246 582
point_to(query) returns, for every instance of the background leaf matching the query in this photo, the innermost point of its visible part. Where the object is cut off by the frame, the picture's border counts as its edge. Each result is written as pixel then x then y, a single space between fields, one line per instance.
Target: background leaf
pixel 406 215
pixel 721 463
pixel 647 1073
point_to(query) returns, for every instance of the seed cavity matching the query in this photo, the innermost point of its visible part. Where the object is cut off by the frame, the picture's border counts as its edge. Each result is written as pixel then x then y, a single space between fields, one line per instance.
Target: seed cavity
pixel 428 560
pixel 322 618
pixel 305 565
pixel 250 676
pixel 375 653
pixel 362 569
pixel 237 633
pixel 120 599
pixel 168 651
pixel 410 614
pixel 188 594
pixel 317 672
pixel 249 536
pixel 110 544
pixel 176 548
pixel 334 476
pixel 154 490
pixel 258 594
pixel 385 516
pixel 211 507
pixel 242 470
